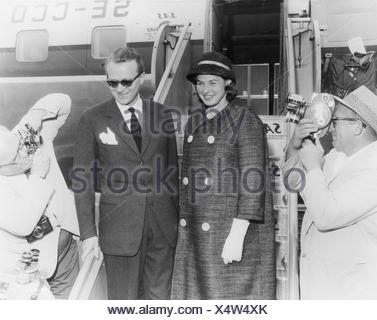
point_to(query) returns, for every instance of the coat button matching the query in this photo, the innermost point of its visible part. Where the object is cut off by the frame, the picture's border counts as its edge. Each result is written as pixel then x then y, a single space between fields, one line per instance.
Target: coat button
pixel 205 226
pixel 190 138
pixel 303 255
pixel 210 115
pixel 207 181
pixel 211 139
pixel 183 223
pixel 185 181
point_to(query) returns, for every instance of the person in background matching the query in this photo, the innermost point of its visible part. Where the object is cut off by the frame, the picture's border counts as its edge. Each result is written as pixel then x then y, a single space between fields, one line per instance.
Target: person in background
pixel 226 236
pixel 339 231
pixel 32 186
pixel 138 213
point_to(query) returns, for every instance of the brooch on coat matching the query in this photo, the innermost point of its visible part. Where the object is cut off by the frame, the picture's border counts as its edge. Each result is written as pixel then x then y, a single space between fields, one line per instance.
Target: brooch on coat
pixel 108 137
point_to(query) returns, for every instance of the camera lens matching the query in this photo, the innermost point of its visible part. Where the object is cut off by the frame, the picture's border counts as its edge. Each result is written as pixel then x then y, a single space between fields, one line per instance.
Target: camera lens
pixel 38 232
pixel 35 252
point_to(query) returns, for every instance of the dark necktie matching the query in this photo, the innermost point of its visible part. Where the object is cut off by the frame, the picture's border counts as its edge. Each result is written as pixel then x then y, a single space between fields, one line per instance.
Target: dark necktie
pixel 135 128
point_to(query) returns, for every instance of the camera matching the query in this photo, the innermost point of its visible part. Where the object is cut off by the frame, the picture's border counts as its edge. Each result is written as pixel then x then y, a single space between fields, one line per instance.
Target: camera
pixel 42 228
pixel 30 139
pixel 320 109
pixel 296 107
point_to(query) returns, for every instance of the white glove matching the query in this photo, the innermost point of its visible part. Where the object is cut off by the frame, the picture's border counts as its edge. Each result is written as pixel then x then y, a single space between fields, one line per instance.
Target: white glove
pixel 233 246
pixel 88 245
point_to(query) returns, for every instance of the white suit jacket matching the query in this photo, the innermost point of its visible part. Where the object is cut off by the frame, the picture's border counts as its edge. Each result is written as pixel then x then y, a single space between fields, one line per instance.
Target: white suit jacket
pixel 339 232
pixel 26 199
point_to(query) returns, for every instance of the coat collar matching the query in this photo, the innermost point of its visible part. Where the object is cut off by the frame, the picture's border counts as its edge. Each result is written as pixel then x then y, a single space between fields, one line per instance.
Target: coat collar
pixel 222 121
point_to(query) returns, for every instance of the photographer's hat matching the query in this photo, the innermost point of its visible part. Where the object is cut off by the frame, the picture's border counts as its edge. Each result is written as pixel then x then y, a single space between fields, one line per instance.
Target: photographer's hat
pixel 363 102
pixel 212 63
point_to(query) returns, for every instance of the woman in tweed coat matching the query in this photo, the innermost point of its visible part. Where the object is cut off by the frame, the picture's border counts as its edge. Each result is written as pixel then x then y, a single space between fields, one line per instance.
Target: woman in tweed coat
pixel 225 244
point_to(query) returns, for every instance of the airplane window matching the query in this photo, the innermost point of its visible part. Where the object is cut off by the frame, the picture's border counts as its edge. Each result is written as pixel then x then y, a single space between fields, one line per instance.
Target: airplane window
pixel 32 46
pixel 106 39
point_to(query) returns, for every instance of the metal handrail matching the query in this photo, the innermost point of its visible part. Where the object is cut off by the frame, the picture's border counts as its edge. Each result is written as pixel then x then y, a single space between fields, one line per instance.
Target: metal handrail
pixel 317 57
pixel 169 69
pixel 86 278
pixel 292 197
pixel 291 58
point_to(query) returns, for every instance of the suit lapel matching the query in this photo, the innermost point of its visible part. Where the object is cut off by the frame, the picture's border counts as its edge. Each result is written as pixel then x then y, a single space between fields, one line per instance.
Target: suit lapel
pixel 307 227
pixel 148 116
pixel 118 125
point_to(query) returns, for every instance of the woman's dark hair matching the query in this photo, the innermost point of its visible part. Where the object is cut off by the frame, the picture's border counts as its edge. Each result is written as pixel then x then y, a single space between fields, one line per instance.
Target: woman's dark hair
pixel 230 92
pixel 125 54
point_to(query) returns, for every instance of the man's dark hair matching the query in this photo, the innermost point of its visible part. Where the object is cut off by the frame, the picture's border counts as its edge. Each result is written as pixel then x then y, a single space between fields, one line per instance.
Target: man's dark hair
pixel 125 54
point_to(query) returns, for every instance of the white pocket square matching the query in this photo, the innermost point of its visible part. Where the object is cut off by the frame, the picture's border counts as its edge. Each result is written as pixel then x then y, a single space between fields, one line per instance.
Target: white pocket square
pixel 108 137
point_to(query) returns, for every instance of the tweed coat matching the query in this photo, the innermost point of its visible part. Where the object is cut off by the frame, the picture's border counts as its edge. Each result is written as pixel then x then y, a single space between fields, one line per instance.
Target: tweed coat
pixel 223 177
pixel 128 180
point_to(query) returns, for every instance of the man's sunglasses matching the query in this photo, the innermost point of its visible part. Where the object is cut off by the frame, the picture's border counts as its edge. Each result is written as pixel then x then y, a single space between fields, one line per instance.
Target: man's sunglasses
pixel 125 82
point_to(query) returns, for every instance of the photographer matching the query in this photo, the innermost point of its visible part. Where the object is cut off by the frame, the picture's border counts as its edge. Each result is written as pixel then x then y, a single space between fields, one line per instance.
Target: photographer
pixel 32 186
pixel 339 232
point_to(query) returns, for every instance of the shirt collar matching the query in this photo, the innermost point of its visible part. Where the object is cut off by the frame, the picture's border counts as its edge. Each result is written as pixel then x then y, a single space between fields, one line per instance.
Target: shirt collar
pixel 138 106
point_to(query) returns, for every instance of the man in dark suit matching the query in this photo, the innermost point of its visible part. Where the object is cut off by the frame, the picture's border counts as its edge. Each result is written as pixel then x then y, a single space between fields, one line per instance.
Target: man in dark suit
pixel 126 150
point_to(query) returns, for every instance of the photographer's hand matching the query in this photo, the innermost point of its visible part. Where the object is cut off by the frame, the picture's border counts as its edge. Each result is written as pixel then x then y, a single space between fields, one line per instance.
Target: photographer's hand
pixel 301 132
pixel 41 163
pixel 311 155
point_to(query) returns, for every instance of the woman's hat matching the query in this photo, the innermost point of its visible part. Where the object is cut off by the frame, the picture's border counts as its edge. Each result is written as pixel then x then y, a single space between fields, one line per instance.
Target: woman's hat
pixel 212 63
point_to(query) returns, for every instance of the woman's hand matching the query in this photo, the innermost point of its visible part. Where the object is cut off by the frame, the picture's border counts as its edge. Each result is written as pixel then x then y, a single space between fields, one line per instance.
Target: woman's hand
pixel 233 246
